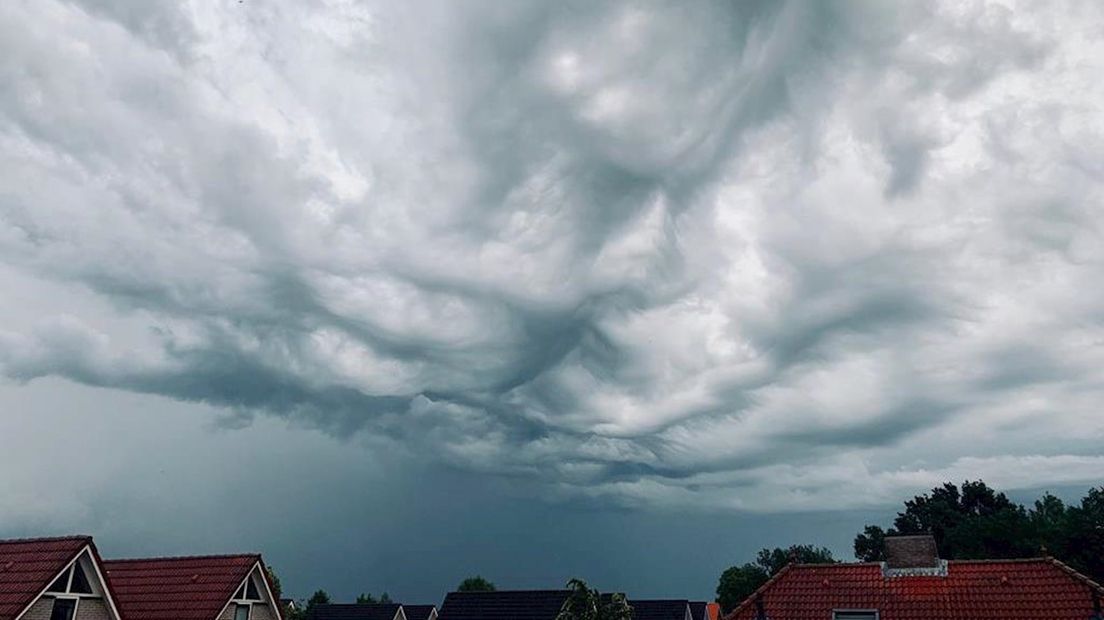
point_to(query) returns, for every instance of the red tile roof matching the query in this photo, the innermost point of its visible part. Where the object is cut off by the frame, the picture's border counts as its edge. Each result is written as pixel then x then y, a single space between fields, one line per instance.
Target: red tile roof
pixel 27 566
pixel 182 588
pixel 970 590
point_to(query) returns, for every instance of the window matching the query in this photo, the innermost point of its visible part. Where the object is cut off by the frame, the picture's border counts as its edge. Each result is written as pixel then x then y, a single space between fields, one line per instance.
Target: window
pixel 855 614
pixel 80 584
pixel 251 590
pixel 63 609
pixel 241 612
pixel 72 581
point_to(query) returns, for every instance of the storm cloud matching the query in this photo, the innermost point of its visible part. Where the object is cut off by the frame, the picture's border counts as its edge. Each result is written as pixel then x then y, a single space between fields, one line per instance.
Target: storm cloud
pixel 754 255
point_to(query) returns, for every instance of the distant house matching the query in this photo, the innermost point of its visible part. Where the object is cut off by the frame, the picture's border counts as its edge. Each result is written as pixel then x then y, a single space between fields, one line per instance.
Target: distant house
pixel 545 605
pixel 54 579
pixel 662 609
pixel 503 605
pixel 420 612
pixel 217 587
pixel 357 611
pixel 372 611
pixel 915 583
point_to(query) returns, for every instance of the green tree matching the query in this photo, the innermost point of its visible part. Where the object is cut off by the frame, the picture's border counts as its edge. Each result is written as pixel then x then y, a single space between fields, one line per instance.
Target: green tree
pixel 975 522
pixel 368 599
pixel 475 584
pixel 1081 543
pixel 274 581
pixel 774 560
pixel 320 597
pixel 738 582
pixel 586 603
pixel 870 544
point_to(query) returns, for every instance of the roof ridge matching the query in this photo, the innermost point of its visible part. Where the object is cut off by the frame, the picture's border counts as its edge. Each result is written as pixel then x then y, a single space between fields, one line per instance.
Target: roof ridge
pixel 86 537
pixel 363 604
pixel 507 591
pixel 827 564
pixel 161 558
pixel 1000 560
pixel 1083 578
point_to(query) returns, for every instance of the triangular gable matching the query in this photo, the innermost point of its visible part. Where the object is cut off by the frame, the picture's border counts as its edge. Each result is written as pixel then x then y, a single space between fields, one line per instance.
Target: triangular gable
pixel 254 589
pixel 81 580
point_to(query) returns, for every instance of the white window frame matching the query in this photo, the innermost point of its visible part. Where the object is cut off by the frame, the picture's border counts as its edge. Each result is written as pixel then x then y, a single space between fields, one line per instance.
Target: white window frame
pixel 248 605
pixel 81 560
pixel 76 598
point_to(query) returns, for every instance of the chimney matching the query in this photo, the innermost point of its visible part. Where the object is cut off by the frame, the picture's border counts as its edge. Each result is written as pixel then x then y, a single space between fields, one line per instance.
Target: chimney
pixel 907 552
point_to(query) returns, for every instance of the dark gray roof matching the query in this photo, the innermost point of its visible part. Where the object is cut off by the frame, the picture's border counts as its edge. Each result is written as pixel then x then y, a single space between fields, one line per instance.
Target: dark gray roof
pixel 503 605
pixel 418 612
pixel 354 611
pixel 666 609
pixel 697 610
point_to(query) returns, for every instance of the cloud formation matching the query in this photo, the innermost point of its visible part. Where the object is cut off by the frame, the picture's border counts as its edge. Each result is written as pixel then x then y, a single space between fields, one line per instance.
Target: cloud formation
pixel 763 255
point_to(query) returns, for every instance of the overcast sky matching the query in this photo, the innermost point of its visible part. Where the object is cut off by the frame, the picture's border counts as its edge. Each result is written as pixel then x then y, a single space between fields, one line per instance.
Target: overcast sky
pixel 398 292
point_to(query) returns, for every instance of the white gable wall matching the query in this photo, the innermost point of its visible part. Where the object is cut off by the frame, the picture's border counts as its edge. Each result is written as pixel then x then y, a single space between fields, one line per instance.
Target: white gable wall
pixel 89 607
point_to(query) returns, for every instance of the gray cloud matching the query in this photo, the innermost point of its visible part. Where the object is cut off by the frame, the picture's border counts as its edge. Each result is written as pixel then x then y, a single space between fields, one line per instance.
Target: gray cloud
pixel 646 251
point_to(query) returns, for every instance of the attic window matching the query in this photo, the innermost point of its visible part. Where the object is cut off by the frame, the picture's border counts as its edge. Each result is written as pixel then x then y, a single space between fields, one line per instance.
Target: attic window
pixel 855 614
pixel 63 609
pixel 248 591
pixel 72 581
pixel 251 591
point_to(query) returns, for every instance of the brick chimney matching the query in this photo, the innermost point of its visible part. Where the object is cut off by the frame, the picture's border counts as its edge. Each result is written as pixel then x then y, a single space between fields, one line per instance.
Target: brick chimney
pixel 906 552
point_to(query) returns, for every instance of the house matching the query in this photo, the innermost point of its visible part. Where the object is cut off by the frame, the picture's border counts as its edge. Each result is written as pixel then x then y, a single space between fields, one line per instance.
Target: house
pixel 503 605
pixel 420 612
pixel 357 611
pixel 914 583
pixel 214 587
pixel 662 609
pixel 54 579
pixel 698 610
pixel 373 611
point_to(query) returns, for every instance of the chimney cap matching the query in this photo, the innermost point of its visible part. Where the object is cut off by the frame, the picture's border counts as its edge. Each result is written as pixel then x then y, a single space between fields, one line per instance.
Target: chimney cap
pixel 913 551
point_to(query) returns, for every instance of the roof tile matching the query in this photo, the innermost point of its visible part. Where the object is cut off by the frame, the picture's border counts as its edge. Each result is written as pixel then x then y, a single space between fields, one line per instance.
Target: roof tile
pixel 28 565
pixel 971 590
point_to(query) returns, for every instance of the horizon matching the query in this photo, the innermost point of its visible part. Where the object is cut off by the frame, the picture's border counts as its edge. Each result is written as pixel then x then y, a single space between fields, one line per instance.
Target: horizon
pixel 399 293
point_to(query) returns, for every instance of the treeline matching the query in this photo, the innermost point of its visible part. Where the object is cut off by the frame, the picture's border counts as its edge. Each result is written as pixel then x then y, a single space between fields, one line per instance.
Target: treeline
pixel 971 522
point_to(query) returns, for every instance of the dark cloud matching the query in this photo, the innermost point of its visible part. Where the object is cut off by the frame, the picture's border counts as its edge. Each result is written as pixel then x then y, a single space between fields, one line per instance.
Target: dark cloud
pixel 728 254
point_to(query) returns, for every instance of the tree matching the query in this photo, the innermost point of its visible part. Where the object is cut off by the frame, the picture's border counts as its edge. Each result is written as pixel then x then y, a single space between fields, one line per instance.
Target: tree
pixel 368 599
pixel 274 581
pixel 1081 544
pixel 475 584
pixel 774 560
pixel 586 603
pixel 870 544
pixel 320 597
pixel 975 522
pixel 738 582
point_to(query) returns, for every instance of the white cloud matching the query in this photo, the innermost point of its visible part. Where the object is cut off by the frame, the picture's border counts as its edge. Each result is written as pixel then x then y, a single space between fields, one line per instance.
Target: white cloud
pixel 754 255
